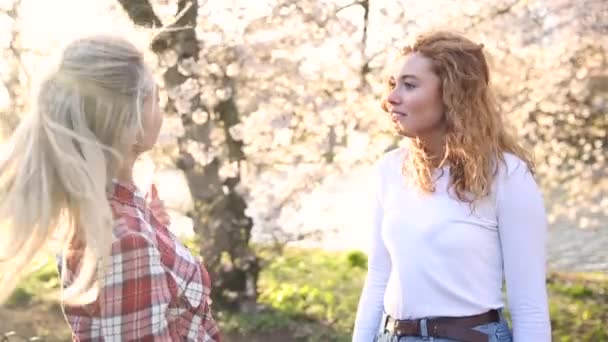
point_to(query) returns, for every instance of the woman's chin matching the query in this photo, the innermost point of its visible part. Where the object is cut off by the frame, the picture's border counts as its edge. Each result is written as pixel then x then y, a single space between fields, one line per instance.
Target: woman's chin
pixel 402 131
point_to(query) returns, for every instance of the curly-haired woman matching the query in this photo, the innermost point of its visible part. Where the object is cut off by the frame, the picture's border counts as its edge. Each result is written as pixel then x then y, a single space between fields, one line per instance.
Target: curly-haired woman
pixel 456 211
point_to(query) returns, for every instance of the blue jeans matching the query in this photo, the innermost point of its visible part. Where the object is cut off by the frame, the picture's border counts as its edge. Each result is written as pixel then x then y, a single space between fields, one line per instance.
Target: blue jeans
pixel 497 331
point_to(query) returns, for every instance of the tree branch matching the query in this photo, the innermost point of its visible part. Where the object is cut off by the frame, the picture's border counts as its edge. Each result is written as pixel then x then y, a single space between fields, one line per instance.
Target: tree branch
pixel 350 5
pixel 13 82
pixel 495 14
pixel 141 12
pixel 186 10
pixel 365 66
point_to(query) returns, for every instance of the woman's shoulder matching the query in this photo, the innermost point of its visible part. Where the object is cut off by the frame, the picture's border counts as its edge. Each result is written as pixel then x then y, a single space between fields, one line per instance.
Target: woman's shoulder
pixel 132 231
pixel 514 175
pixel 511 164
pixel 393 157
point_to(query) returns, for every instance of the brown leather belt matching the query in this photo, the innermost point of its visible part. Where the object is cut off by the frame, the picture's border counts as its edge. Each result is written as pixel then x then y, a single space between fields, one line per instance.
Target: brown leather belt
pixel 457 328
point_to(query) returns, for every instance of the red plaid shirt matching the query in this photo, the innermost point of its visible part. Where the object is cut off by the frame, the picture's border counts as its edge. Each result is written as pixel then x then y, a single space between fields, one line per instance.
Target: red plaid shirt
pixel 155 289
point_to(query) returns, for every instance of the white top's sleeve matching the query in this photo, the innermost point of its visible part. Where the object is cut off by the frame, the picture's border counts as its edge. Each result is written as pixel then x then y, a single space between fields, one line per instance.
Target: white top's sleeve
pixel 371 303
pixel 522 227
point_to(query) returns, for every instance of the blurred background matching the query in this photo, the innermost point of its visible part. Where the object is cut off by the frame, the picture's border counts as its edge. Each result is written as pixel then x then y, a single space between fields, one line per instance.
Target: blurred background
pixel 273 123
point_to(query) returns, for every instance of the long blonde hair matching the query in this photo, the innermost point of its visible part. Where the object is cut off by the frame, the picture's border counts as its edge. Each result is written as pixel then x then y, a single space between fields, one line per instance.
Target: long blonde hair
pixel 62 157
pixel 476 137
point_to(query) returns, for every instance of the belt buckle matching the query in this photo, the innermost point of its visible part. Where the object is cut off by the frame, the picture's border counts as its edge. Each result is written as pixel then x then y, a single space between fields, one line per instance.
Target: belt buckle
pixel 397 328
pixel 423 328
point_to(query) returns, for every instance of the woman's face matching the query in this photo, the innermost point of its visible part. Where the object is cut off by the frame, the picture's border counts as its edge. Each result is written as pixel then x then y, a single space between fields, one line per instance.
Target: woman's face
pixel 414 100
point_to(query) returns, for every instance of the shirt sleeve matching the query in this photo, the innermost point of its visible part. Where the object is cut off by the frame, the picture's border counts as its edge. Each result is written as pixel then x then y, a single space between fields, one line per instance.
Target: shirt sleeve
pixel 522 227
pixel 135 295
pixel 210 327
pixel 371 303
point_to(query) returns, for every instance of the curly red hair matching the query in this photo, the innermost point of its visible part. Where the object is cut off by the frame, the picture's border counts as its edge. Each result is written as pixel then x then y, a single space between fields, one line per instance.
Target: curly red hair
pixel 476 136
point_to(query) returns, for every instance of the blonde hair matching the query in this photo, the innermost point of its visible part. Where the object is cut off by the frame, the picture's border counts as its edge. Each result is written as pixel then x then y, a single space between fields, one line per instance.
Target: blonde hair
pixel 62 157
pixel 476 137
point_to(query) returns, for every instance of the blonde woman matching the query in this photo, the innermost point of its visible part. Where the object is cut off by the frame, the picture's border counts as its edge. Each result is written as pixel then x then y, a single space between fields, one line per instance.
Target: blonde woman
pixel 455 212
pixel 69 173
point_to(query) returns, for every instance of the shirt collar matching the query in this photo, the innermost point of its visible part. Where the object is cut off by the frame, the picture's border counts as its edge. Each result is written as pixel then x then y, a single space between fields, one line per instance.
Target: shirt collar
pixel 127 193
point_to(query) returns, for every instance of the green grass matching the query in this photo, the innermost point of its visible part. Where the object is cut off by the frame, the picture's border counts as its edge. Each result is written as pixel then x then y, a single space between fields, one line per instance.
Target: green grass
pixel 40 282
pixel 326 286
pixel 579 307
pixel 315 285
pixel 312 295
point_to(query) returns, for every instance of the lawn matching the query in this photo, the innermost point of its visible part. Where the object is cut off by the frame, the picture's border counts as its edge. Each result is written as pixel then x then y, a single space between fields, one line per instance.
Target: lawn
pixel 309 295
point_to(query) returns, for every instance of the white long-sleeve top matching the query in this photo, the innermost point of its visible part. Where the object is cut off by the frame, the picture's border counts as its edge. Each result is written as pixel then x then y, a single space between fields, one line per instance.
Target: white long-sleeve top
pixel 430 256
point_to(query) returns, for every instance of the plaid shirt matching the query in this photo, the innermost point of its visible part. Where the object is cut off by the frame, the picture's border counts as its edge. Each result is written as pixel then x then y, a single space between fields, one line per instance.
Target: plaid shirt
pixel 155 289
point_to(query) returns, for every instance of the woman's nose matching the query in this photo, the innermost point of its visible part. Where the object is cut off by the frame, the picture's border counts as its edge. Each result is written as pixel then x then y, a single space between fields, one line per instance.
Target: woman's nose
pixel 393 98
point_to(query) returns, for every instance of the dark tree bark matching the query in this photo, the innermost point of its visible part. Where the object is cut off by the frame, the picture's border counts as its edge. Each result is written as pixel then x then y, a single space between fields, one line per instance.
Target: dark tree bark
pixel 141 12
pixel 219 218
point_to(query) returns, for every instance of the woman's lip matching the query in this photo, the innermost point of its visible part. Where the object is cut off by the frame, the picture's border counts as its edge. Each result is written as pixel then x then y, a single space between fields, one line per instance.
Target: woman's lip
pixel 398 113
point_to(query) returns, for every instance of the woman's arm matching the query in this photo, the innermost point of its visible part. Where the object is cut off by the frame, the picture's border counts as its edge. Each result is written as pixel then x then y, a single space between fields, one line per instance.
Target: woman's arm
pixel 371 303
pixel 522 227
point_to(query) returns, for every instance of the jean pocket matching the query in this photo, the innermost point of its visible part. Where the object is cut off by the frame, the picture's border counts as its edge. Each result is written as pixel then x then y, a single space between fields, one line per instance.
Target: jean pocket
pixel 503 333
pixel 383 337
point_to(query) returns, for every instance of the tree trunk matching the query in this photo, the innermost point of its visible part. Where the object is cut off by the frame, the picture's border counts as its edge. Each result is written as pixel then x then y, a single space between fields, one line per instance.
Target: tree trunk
pixel 219 218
